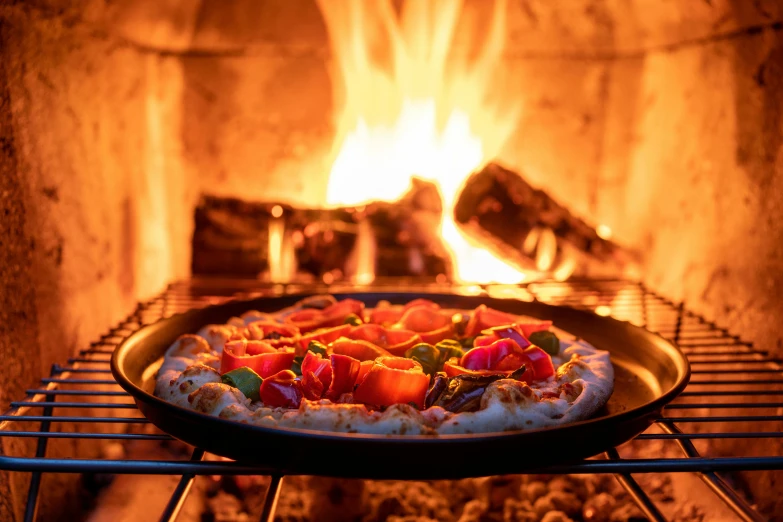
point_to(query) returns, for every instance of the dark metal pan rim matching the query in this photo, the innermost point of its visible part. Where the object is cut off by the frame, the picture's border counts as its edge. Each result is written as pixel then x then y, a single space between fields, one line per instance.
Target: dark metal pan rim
pixel 650 408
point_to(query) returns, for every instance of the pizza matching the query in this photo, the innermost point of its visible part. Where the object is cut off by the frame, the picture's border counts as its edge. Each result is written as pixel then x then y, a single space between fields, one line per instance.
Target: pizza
pixel 412 369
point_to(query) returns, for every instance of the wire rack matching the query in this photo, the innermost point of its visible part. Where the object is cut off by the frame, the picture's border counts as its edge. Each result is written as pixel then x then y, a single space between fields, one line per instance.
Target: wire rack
pixel 734 393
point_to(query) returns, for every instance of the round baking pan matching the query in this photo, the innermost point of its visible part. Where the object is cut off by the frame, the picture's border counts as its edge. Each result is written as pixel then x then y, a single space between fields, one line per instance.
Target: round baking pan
pixel 649 373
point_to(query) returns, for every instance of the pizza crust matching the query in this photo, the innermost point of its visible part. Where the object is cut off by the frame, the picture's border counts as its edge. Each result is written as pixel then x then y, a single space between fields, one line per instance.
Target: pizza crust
pixel 583 383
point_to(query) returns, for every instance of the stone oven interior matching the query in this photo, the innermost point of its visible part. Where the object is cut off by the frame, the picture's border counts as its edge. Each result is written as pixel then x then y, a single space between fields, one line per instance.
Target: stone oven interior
pixel 661 120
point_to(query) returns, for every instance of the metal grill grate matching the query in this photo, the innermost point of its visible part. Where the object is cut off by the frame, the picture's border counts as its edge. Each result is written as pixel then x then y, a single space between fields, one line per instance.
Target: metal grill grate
pixel 729 375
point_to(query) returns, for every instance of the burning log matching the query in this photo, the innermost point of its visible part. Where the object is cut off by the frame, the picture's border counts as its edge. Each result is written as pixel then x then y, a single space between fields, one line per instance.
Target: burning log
pixel 231 236
pixel 406 234
pixel 526 226
pixel 397 239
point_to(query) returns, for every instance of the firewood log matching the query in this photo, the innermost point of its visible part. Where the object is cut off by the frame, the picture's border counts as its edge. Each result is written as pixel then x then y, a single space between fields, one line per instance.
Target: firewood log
pixel 527 227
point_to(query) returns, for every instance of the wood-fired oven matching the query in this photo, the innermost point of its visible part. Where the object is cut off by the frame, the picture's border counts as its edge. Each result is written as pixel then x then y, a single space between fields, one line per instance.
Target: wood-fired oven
pixel 618 156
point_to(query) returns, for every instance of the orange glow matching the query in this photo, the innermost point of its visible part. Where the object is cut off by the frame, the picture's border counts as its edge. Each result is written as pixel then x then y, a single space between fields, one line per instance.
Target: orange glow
pixel 603 310
pixel 420 112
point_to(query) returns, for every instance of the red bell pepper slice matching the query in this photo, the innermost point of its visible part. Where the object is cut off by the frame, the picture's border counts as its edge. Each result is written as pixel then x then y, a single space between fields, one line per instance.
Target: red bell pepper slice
pixel 393 380
pixel 345 370
pixel 540 362
pixel 310 319
pixel 359 350
pixel 253 347
pixel 281 390
pixel 364 367
pixel 510 331
pixel 395 341
pixel 484 317
pixel 431 324
pixel 323 335
pixel 316 375
pixel 266 363
pixel 388 315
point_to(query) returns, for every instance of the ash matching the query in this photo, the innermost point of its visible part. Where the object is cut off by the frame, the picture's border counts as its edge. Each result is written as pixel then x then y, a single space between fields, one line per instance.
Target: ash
pixel 506 498
pixel 510 498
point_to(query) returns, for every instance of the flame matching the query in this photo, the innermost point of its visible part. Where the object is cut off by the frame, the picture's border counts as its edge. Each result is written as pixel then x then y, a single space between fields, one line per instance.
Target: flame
pixel 421 110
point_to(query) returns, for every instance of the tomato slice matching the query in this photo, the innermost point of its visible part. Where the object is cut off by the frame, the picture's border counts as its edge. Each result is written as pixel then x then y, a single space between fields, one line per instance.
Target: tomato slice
pixel 393 380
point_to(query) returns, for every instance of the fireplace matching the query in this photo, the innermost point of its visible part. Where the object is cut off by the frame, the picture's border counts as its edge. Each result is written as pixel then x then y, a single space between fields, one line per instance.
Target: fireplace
pixel 133 130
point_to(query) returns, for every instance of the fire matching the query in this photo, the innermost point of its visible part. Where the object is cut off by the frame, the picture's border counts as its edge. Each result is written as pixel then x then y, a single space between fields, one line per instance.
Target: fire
pixel 422 111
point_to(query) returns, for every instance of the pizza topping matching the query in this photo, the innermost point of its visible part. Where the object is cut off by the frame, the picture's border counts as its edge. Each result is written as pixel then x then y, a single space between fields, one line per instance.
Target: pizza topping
pixel 506 355
pixel 315 347
pixel 396 342
pixel 393 380
pixel 502 354
pixel 440 382
pixel 316 375
pixel 353 320
pixel 426 355
pixel 386 314
pixel 318 302
pixel 281 390
pixel 481 364
pixel 265 362
pixel 274 333
pixel 540 363
pixel 463 392
pixel 345 371
pixel 430 323
pixel 358 349
pixel 245 380
pixel 432 358
pixel 333 315
pixel 484 318
pixel 509 331
pixel 547 341
pixel 324 335
pixel 503 357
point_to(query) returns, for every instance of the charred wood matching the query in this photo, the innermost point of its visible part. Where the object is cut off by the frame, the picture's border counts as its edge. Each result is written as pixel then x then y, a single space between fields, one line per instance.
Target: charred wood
pixel 501 211
pixel 232 237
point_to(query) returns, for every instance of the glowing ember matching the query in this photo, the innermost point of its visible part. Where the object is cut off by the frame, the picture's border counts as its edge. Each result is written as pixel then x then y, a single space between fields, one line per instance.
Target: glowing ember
pixel 421 111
